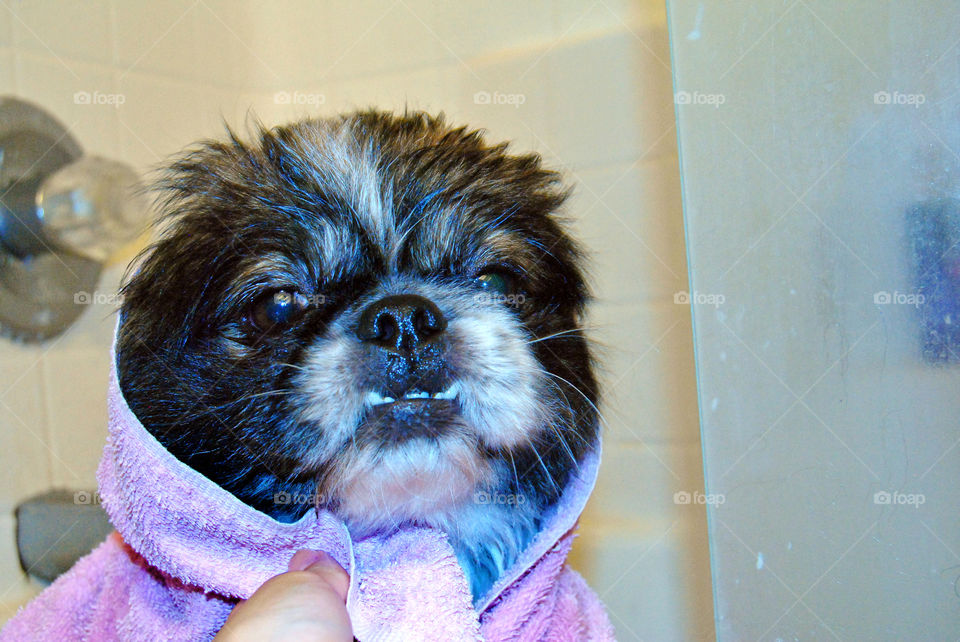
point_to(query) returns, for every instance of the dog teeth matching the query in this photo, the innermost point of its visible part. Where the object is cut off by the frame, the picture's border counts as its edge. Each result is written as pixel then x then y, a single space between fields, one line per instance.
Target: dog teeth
pixel 376 399
pixel 449 393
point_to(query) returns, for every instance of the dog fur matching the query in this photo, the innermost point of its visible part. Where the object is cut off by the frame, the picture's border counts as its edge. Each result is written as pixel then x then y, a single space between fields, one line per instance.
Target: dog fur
pixel 342 213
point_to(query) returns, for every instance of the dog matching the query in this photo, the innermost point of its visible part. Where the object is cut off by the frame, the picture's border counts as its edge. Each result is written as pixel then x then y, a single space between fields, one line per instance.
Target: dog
pixel 377 314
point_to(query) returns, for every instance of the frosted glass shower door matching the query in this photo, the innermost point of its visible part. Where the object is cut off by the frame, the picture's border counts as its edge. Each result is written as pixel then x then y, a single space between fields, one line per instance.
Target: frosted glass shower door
pixel 820 158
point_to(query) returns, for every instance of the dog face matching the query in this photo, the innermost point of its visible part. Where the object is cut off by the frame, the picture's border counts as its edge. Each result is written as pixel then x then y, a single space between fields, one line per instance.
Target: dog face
pixel 378 312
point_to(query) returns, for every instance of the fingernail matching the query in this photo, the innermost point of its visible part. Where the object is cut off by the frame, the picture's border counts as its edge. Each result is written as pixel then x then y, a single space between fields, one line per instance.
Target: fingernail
pixel 305 558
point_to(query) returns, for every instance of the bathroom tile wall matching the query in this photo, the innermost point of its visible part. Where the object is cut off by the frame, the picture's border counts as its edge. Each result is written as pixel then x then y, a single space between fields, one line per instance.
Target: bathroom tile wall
pixel 585 84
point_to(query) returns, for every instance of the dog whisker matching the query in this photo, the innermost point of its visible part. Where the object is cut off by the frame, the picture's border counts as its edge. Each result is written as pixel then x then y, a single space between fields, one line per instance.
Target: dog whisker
pixel 546 470
pixel 592 405
pixel 576 332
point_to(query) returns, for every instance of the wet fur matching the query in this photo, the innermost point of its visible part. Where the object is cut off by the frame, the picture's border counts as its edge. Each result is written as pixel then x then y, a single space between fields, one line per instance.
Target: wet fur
pixel 347 210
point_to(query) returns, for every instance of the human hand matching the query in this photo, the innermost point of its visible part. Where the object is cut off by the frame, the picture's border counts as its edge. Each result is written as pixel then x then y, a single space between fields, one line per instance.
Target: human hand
pixel 306 603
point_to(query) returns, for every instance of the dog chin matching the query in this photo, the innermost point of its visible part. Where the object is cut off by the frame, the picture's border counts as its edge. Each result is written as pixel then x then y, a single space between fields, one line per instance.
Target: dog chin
pixel 425 480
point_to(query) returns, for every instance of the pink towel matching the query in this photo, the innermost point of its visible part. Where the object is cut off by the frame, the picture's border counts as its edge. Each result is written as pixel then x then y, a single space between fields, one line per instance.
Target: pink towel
pixel 185 551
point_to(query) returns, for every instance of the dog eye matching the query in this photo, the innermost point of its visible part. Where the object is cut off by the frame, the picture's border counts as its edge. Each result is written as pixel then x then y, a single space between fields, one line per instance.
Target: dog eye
pixel 498 281
pixel 278 308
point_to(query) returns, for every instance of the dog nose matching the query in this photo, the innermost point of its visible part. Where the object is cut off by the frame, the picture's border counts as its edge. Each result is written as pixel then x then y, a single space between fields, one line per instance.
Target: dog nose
pixel 401 323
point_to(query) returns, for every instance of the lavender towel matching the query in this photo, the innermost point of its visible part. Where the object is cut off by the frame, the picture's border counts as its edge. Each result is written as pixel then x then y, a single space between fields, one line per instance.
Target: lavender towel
pixel 185 551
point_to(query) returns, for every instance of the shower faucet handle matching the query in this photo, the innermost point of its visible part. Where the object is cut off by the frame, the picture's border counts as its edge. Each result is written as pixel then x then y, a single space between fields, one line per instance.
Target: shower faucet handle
pixel 92 206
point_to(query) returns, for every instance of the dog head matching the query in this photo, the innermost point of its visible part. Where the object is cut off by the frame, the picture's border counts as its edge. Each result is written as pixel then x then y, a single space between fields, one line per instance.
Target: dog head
pixel 379 313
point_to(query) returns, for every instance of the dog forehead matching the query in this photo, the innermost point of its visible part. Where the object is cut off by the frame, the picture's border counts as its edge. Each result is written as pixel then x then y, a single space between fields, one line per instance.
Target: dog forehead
pixel 436 240
pixel 394 213
pixel 405 203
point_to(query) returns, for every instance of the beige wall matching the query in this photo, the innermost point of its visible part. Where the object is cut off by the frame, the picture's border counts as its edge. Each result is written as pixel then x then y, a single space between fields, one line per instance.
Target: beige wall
pixel 595 83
